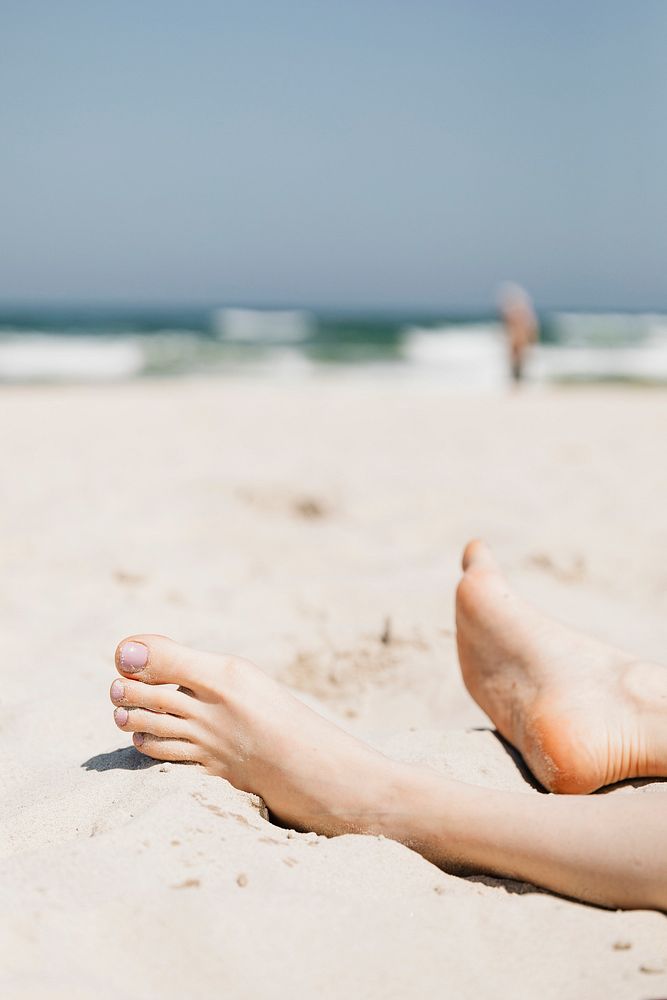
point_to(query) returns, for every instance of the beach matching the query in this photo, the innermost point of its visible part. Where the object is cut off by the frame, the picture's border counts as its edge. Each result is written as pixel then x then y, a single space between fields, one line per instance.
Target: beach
pixel 314 526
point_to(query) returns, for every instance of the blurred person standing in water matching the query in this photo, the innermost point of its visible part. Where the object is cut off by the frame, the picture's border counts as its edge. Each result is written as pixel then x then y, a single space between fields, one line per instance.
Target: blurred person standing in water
pixel 521 326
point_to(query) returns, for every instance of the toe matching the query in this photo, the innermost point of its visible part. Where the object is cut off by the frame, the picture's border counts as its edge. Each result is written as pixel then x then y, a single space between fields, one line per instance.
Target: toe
pixel 154 659
pixel 155 697
pixel 477 554
pixel 138 720
pixel 166 749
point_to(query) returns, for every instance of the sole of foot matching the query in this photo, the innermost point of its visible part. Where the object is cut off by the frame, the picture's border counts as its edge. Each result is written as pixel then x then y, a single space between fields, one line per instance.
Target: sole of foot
pixel 582 713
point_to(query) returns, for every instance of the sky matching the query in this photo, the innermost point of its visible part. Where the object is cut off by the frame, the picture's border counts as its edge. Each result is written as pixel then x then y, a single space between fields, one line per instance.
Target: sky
pixel 356 153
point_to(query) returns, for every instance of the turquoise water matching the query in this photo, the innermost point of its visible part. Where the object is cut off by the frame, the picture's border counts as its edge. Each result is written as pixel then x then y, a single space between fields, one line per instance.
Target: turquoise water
pixel 86 344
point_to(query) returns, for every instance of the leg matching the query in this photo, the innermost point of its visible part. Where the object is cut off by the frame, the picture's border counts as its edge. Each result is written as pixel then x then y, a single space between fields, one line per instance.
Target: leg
pixel 239 724
pixel 605 849
pixel 582 714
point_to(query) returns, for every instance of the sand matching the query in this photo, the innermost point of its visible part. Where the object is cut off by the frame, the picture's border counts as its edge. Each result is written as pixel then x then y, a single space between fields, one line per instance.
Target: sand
pixel 299 524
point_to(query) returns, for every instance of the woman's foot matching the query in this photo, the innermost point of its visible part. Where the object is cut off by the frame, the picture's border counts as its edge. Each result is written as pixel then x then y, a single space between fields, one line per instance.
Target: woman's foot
pixel 226 714
pixel 582 714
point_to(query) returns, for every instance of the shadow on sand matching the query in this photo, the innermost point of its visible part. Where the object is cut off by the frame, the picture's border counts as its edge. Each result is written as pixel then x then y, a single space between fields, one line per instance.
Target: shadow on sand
pixel 518 760
pixel 124 759
pixel 509 885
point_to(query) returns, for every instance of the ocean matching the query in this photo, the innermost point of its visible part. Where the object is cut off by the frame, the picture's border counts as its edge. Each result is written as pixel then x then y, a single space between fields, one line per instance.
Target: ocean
pixel 465 351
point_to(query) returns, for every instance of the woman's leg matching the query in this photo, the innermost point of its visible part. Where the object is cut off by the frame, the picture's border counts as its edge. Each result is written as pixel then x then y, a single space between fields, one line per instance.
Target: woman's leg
pixel 606 849
pixel 225 714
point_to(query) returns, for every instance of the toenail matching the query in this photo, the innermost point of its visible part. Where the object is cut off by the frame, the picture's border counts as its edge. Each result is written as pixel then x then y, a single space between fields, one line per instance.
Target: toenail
pixel 133 657
pixel 117 690
pixel 138 739
pixel 121 715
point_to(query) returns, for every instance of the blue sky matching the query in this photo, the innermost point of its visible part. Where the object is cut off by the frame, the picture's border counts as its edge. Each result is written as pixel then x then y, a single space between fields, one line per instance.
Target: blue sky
pixel 337 153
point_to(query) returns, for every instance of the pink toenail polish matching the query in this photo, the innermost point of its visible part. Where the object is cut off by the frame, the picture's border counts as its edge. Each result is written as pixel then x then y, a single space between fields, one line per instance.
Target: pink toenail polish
pixel 133 657
pixel 138 739
pixel 117 690
pixel 121 715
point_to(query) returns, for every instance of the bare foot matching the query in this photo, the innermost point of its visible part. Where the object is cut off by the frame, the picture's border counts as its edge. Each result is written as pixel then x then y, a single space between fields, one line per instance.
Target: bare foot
pixel 582 714
pixel 237 722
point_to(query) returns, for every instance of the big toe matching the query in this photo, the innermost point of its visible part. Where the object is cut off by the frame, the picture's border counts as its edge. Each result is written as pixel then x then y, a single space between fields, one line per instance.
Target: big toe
pixel 477 554
pixel 481 596
pixel 154 659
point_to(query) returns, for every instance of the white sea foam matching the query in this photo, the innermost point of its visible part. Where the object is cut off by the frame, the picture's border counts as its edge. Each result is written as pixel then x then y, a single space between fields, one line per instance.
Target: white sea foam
pixel 263 325
pixel 604 346
pixel 647 363
pixel 603 329
pixel 470 356
pixel 39 358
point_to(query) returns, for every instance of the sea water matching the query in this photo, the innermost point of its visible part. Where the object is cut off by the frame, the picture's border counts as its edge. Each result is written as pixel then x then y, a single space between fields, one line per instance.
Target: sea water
pixel 464 351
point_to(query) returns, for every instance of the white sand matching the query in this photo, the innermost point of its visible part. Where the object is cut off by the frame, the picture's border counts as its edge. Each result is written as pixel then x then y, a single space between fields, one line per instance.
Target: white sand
pixel 186 508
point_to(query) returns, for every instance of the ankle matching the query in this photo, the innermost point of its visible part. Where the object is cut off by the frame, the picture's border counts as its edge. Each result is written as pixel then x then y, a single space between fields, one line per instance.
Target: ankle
pixel 418 814
pixel 401 802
